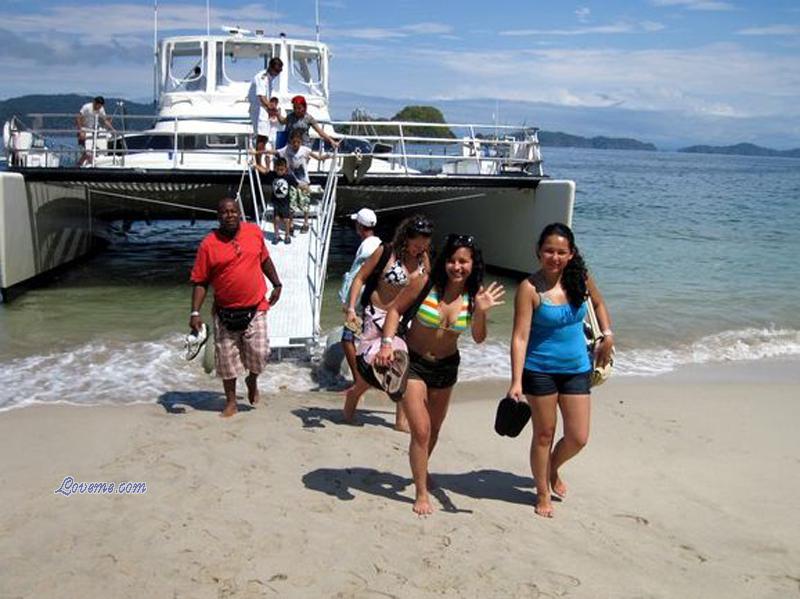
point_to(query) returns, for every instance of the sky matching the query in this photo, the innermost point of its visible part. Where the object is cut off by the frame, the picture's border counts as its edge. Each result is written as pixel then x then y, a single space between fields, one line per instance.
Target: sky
pixel 714 70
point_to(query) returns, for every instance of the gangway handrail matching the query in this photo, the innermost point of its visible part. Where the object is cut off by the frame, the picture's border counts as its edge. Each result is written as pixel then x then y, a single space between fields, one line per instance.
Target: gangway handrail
pixel 319 259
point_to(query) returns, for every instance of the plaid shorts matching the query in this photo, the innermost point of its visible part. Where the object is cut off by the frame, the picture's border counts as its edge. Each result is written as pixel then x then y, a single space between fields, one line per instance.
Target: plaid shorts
pixel 298 199
pixel 239 352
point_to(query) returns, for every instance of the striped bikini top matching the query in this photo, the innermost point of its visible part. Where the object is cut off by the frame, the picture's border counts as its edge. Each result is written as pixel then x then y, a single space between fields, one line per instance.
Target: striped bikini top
pixel 429 316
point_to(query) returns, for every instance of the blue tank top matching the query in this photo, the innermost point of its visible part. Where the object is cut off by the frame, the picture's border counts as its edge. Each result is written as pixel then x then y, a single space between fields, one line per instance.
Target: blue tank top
pixel 557 343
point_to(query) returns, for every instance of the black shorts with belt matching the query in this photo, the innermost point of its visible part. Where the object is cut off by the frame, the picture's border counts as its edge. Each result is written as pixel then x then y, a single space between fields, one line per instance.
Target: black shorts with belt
pixel 436 374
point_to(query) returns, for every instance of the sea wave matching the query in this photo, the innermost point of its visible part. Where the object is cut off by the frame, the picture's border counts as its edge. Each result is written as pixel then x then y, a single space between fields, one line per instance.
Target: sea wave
pixel 142 372
pixel 491 360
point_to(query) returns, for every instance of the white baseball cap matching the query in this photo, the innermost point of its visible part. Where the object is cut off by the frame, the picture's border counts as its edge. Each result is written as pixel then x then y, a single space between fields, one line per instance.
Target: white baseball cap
pixel 365 217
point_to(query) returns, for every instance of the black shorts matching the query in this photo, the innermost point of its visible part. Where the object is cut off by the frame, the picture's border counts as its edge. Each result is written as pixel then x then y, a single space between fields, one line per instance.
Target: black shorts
pixel 282 209
pixel 547 383
pixel 436 374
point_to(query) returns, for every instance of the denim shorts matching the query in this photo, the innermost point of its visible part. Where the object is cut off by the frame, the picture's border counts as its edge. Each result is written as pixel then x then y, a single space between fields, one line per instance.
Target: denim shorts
pixel 348 335
pixel 548 383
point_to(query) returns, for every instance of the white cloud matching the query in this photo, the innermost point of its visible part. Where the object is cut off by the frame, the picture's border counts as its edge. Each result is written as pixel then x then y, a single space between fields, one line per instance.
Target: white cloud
pixel 709 5
pixel 583 14
pixel 720 79
pixel 771 30
pixel 614 28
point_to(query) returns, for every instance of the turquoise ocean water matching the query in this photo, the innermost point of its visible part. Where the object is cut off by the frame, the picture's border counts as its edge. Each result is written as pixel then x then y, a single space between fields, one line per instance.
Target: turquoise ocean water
pixel 697 256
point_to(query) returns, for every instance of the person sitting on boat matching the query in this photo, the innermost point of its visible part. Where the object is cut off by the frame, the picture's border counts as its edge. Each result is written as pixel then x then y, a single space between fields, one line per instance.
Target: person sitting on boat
pixel 390 269
pixel 91 118
pixel 445 304
pixel 197 81
pixel 300 119
pixel 259 95
pixel 297 155
pixel 549 361
pixel 365 221
pixel 234 260
pixel 282 182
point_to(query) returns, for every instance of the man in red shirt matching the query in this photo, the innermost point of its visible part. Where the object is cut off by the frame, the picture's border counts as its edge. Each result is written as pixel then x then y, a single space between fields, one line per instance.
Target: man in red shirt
pixel 233 259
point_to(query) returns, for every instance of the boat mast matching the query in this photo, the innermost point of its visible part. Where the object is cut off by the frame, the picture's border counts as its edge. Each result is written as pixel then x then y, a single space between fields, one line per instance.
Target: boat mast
pixel 155 52
pixel 208 17
pixel 316 5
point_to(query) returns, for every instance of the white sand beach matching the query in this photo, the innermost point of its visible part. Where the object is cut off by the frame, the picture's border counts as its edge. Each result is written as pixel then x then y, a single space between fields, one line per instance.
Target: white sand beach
pixel 688 488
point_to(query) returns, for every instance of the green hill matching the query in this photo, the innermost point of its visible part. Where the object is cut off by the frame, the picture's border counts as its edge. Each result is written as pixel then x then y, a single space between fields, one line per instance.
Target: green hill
pixel 743 149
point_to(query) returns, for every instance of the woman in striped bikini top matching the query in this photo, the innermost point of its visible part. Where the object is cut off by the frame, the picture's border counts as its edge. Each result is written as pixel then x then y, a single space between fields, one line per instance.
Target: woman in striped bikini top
pixel 429 315
pixel 455 301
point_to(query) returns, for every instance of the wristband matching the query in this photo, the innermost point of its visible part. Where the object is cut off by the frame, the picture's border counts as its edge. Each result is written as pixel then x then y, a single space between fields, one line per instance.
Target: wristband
pixel 278 285
pixel 387 340
pixel 194 313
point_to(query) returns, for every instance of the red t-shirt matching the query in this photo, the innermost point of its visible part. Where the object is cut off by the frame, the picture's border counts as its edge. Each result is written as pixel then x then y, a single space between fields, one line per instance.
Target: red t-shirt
pixel 233 267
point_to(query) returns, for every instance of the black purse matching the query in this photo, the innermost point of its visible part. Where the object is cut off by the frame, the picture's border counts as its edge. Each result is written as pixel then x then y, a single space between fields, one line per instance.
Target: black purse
pixel 236 319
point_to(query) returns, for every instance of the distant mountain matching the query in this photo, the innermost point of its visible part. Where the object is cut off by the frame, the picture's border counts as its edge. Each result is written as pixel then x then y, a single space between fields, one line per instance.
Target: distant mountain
pixel 742 149
pixel 556 138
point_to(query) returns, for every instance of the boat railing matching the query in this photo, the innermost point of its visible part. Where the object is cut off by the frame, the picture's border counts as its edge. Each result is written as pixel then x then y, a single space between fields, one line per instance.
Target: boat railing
pixel 405 147
pixel 321 244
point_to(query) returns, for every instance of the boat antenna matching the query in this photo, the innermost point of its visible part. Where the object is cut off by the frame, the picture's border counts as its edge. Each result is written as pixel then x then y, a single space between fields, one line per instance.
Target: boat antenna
pixel 155 52
pixel 316 4
pixel 208 17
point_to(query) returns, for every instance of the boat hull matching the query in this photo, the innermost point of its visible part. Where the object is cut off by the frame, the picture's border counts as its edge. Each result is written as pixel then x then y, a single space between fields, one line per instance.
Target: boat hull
pixel 49 221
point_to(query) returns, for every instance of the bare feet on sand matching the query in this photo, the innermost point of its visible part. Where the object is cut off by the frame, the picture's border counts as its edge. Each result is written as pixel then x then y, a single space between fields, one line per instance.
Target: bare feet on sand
pixel 558 486
pixel 544 507
pixel 252 389
pixel 422 505
pixel 351 398
pixel 229 410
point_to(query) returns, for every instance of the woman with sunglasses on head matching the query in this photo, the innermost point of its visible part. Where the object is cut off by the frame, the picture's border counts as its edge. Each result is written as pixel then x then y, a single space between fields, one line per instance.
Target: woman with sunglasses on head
pixel 388 271
pixel 449 302
pixel 550 364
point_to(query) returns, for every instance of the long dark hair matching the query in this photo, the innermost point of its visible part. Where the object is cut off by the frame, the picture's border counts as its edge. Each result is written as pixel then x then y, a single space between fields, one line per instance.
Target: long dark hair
pixel 573 279
pixel 452 244
pixel 410 228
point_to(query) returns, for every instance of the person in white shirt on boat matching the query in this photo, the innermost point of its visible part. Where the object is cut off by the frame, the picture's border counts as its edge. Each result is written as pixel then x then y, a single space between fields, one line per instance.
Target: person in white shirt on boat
pixel 365 221
pixel 91 118
pixel 261 90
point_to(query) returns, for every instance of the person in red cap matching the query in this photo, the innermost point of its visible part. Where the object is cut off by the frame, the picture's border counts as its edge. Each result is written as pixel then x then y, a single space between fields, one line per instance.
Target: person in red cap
pixel 299 118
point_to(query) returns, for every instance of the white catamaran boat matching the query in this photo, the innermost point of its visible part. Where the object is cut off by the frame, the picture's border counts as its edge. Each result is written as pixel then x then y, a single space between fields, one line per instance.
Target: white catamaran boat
pixel 481 179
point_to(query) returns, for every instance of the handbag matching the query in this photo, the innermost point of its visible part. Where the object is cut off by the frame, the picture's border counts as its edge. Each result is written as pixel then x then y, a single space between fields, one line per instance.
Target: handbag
pixel 236 319
pixel 594 334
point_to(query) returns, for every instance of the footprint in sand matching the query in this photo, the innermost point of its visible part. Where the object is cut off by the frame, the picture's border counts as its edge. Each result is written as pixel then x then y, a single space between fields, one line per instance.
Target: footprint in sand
pixel 638 519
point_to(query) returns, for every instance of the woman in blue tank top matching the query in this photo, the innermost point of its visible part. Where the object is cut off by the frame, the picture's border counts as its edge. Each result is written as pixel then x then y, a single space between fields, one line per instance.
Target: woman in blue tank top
pixel 550 363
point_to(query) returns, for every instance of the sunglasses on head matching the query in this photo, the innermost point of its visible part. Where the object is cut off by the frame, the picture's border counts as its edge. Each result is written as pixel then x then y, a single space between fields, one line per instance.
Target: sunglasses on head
pixel 461 240
pixel 422 227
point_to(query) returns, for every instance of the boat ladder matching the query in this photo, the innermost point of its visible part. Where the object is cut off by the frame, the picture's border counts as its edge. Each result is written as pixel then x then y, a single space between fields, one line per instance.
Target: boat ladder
pixel 294 322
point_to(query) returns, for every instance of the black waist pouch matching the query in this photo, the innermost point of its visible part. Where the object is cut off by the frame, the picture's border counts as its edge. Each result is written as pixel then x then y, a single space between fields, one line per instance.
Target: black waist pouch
pixel 236 319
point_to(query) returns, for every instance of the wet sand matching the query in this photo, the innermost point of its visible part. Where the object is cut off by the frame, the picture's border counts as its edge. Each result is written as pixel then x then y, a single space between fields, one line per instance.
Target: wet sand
pixel 688 487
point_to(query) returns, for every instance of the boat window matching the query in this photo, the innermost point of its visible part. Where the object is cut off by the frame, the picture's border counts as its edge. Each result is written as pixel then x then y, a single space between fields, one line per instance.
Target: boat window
pixel 242 60
pixel 222 141
pixel 186 66
pixel 305 75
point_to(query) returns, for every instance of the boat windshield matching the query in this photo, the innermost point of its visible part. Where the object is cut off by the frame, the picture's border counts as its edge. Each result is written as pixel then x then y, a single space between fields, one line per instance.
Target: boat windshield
pixel 239 61
pixel 305 76
pixel 186 70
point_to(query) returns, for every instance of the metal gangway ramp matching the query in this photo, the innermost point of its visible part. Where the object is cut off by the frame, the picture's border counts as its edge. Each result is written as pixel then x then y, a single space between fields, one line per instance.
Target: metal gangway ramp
pixel 294 321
